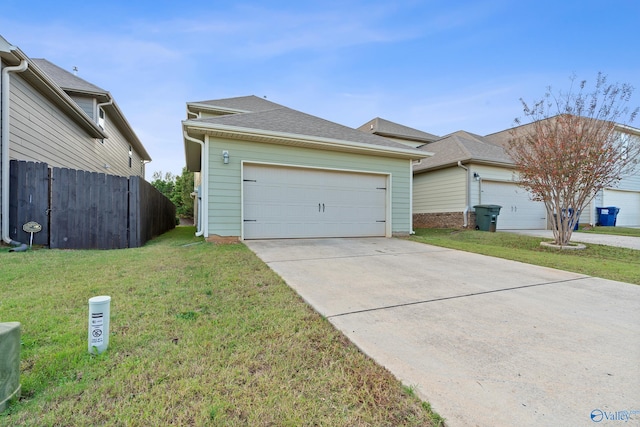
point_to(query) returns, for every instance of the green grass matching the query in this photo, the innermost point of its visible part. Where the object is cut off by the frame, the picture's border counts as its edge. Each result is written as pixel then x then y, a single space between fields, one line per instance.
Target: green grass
pixel 596 260
pixel 617 231
pixel 200 334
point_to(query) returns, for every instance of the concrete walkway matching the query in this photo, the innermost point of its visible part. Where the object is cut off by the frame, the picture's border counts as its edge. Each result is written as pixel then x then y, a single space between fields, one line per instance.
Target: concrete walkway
pixel 629 242
pixel 487 341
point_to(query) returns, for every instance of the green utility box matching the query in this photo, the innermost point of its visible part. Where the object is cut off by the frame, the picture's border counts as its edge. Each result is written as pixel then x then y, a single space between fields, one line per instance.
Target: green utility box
pixel 487 217
pixel 9 363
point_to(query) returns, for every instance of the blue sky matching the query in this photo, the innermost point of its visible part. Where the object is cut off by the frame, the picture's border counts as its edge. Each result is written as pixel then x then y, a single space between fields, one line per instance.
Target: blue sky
pixel 439 66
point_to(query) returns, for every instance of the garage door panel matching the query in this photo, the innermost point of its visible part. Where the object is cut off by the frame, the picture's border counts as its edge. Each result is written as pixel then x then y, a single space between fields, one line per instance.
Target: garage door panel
pixel 629 204
pixel 281 202
pixel 518 210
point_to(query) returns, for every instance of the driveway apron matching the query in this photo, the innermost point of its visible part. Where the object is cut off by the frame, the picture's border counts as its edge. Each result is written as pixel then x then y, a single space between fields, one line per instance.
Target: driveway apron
pixel 487 341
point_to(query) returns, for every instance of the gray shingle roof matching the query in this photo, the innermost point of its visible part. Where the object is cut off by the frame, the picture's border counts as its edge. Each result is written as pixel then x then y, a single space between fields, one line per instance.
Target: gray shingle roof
pixel 249 103
pixel 272 117
pixel 499 138
pixel 388 128
pixel 65 79
pixel 462 146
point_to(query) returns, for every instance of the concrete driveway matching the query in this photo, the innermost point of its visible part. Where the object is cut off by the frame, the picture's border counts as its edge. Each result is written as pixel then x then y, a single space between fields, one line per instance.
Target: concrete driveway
pixel 488 342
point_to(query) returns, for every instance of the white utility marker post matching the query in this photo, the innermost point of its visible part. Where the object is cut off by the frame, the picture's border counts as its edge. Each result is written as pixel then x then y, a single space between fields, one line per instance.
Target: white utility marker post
pixel 99 312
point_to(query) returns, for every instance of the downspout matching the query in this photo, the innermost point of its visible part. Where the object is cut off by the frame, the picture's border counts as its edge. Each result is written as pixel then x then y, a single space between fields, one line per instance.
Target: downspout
pixel 99 106
pixel 18 247
pixel 467 192
pixel 411 230
pixel 203 183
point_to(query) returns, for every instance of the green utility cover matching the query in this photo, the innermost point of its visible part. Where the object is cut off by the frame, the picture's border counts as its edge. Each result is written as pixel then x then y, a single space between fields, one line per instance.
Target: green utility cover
pixel 9 363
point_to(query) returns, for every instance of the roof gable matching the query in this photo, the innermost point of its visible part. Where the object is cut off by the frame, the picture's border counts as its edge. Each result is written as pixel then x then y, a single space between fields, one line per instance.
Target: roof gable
pixel 462 146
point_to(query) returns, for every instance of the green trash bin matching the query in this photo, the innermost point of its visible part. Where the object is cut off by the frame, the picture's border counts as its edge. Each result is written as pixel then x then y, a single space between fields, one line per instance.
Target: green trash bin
pixel 487 217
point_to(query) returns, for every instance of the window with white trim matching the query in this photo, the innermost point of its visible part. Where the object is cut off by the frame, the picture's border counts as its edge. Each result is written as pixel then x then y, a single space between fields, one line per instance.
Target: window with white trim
pixel 101 118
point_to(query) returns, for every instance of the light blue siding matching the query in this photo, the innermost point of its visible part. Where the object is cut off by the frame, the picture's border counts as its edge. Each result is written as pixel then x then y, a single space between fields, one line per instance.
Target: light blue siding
pixel 225 181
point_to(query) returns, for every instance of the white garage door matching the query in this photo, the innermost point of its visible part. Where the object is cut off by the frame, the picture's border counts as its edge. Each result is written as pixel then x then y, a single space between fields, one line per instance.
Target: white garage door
pixel 629 204
pixel 283 202
pixel 518 211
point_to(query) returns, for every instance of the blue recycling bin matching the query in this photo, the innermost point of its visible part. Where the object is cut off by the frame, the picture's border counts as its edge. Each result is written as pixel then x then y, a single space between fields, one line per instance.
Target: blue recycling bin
pixel 607 216
pixel 564 215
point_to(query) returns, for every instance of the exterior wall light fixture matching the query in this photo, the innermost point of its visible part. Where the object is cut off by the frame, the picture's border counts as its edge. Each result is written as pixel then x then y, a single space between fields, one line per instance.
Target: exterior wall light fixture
pixel 225 157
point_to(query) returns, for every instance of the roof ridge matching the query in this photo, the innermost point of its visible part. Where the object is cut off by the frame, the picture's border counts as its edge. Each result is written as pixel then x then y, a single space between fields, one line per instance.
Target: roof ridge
pixel 461 145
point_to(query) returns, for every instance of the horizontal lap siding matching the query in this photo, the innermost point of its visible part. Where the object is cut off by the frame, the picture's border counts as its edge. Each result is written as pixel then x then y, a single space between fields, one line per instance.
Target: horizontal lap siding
pixel 493 173
pixel 630 182
pixel 87 104
pixel 224 210
pixel 488 174
pixel 439 191
pixel 41 132
pixel 115 152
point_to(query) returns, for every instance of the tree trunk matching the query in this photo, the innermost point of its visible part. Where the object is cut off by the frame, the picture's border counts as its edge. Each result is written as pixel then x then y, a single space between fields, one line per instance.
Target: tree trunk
pixel 563 220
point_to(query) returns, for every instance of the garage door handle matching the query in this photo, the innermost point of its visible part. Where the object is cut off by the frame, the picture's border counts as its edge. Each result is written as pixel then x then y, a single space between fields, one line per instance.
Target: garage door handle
pixel 323 207
pixel 318 207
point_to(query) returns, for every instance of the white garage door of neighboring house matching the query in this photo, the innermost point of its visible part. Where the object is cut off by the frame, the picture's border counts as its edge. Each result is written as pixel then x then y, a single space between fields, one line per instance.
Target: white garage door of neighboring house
pixel 518 211
pixel 289 202
pixel 629 204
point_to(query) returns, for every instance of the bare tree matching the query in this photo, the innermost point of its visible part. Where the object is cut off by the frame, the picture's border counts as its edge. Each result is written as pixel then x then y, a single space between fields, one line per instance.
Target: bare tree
pixel 577 143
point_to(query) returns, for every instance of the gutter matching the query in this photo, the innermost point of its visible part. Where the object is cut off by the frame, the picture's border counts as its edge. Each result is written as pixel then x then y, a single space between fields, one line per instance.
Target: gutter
pixel 4 140
pixel 103 104
pixel 467 192
pixel 203 183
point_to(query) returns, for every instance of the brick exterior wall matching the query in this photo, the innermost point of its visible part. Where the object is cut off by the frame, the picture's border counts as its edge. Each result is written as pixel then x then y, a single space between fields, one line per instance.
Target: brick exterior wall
pixel 443 220
pixel 214 238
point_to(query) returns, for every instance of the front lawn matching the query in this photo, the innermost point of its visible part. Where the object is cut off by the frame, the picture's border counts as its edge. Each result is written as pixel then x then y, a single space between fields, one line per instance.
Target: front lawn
pixel 201 334
pixel 596 260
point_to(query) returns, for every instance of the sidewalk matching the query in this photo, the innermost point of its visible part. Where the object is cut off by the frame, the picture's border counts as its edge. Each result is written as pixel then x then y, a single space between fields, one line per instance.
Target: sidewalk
pixel 598 239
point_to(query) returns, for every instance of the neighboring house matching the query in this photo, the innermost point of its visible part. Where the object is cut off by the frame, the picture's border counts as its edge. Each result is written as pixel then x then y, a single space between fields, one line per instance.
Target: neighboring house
pixel 51 116
pixel 397 132
pixel 268 171
pixel 468 170
pixel 65 121
pixel 625 195
pixel 121 151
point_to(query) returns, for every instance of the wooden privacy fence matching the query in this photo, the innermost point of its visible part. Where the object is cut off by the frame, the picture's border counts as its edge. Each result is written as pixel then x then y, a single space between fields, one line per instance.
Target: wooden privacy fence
pixel 85 210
